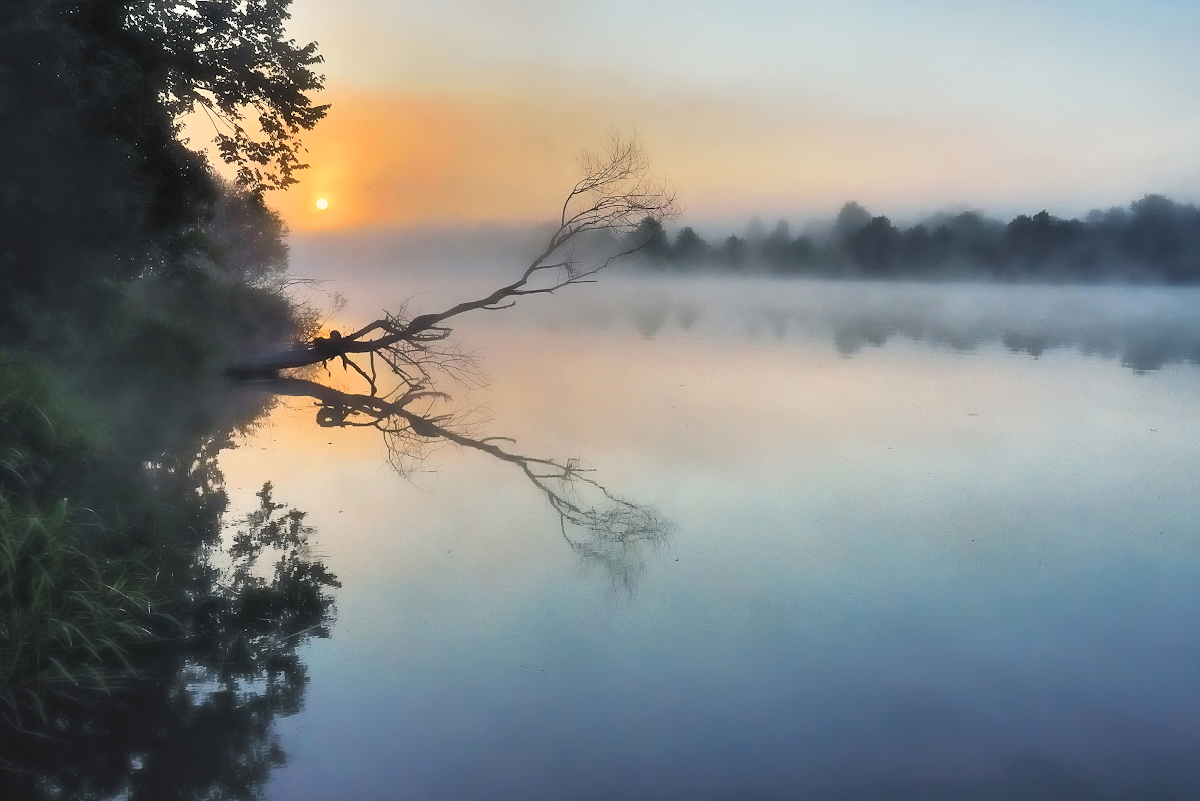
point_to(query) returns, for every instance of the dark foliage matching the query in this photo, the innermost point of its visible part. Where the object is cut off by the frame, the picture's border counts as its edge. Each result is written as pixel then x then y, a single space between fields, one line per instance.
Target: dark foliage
pixel 190 712
pixel 688 245
pixel 652 239
pixel 1154 240
pixel 133 662
pixel 137 660
pixel 99 198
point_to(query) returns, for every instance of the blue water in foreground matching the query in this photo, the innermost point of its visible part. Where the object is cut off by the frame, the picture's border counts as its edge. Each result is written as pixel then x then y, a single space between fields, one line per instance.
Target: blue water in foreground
pixel 920 560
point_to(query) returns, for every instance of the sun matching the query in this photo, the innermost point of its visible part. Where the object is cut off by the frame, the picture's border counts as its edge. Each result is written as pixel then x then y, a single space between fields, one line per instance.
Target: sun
pixel 322 203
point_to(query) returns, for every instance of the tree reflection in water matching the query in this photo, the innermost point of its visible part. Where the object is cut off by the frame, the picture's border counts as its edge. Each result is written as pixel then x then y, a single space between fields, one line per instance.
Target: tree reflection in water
pixel 190 712
pixel 187 710
pixel 603 529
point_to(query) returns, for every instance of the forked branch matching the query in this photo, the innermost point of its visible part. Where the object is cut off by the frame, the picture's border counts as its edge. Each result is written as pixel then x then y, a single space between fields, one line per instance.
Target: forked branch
pixel 617 191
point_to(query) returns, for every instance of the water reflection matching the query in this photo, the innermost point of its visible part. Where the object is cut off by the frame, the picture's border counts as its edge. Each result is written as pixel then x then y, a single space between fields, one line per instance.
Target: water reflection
pixel 879 593
pixel 603 529
pixel 760 666
pixel 159 660
pixel 188 709
pixel 1145 328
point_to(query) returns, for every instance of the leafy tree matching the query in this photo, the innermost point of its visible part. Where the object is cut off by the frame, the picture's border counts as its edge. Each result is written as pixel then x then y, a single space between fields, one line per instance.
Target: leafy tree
pixel 850 219
pixel 874 247
pixel 734 251
pixel 96 187
pixel 1164 238
pixel 775 246
pixel 802 254
pixel 1041 238
pixel 650 238
pixel 916 250
pixel 689 246
pixel 1155 239
pixel 232 59
pixel 756 232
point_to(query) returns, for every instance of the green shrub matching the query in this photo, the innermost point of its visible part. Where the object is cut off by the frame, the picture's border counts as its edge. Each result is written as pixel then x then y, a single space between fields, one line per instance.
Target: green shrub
pixel 45 438
pixel 69 615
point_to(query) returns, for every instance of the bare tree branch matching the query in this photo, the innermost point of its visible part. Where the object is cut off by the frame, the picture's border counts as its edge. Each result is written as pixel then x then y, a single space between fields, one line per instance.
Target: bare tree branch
pixel 615 194
pixel 617 191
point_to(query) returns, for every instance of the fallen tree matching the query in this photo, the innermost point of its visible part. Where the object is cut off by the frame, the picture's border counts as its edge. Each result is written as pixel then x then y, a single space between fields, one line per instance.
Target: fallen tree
pixel 399 358
pixel 615 194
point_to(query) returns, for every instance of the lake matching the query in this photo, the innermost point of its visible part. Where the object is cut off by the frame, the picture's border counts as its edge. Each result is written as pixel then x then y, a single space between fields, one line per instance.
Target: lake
pixel 925 541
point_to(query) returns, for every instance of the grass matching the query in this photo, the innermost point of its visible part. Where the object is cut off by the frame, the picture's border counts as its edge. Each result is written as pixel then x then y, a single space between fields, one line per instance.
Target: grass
pixel 45 439
pixel 70 615
pixel 69 608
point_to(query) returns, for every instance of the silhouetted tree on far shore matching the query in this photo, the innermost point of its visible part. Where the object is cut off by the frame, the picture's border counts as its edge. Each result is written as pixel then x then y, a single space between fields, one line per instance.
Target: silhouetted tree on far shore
pixel 1153 240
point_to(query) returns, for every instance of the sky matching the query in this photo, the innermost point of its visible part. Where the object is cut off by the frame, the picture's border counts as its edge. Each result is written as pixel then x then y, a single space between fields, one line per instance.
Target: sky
pixel 466 110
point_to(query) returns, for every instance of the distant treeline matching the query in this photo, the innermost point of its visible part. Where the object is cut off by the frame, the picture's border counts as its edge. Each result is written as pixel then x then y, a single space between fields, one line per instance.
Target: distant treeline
pixel 1154 240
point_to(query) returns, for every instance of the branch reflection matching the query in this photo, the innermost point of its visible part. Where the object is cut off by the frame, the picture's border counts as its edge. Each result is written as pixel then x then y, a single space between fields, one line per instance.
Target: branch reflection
pixel 602 528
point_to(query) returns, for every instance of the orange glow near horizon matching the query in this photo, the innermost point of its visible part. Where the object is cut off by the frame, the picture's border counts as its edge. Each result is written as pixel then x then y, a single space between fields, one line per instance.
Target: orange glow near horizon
pixel 391 159
pixel 382 159
pixel 388 159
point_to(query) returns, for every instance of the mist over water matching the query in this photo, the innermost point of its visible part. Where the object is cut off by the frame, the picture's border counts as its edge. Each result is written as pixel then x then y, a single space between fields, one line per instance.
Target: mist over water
pixel 1143 327
pixel 931 541
pixel 850 540
pixel 453 513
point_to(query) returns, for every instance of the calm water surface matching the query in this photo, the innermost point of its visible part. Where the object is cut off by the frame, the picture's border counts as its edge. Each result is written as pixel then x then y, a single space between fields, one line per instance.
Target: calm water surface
pixel 961 564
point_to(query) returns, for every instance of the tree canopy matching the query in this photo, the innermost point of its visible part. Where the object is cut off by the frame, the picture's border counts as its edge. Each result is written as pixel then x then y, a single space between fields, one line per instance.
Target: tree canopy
pixel 96 184
pixel 1152 240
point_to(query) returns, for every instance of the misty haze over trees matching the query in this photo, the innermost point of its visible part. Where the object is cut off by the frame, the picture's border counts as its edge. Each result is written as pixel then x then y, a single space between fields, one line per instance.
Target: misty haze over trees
pixel 144 654
pixel 116 238
pixel 130 274
pixel 1155 240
